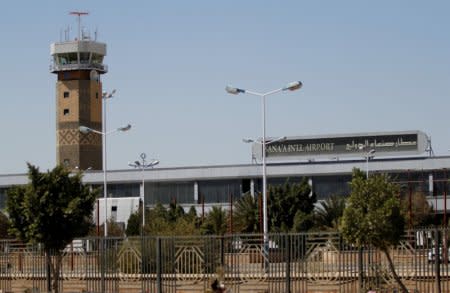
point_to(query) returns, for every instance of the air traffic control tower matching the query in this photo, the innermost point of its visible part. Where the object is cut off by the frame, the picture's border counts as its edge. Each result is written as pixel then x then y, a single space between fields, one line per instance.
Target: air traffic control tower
pixel 78 64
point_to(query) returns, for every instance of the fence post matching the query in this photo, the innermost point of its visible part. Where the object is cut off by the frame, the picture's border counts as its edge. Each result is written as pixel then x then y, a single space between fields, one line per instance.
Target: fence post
pixel 288 262
pixel 437 259
pixel 48 271
pixel 222 251
pixel 360 269
pixel 103 263
pixel 143 259
pixel 158 265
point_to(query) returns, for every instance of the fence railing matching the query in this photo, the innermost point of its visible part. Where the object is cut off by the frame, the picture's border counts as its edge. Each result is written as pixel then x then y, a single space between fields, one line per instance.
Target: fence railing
pixel 306 262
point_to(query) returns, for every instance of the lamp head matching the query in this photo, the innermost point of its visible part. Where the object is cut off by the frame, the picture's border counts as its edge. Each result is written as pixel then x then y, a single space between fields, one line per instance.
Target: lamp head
pixel 280 139
pixel 233 90
pixel 292 86
pixel 154 163
pixel 84 129
pixel 106 95
pixel 125 128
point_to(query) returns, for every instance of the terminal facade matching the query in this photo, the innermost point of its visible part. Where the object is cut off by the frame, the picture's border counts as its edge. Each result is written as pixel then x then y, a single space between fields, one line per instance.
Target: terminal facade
pixel 220 185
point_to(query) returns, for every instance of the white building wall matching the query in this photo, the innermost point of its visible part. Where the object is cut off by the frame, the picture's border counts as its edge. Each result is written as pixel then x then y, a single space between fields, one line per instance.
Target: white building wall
pixel 119 209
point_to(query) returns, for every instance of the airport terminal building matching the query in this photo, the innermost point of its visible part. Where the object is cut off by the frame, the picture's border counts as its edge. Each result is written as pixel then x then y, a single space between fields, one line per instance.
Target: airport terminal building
pixel 326 161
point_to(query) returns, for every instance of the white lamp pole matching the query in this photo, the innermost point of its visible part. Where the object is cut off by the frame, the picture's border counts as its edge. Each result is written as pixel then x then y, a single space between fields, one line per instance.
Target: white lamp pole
pixel 369 155
pixel 105 97
pixel 86 130
pixel 232 90
pixel 144 165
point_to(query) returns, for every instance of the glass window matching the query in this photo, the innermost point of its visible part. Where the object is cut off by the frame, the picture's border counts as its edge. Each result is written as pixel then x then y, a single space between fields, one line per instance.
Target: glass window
pixel 121 190
pixel 165 193
pixel 72 58
pixel 62 59
pixel 326 186
pixel 96 58
pixel 411 181
pixel 66 94
pixel 219 191
pixel 84 57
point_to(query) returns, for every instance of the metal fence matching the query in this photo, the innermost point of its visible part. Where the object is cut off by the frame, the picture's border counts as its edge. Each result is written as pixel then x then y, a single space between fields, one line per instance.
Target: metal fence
pixel 307 262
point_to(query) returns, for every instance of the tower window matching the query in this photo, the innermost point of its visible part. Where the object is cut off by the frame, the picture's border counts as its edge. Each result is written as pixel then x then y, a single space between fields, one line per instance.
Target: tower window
pixel 96 95
pixel 66 112
pixel 66 94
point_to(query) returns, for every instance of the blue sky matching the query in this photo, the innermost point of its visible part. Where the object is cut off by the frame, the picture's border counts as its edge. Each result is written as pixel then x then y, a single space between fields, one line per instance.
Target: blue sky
pixel 365 65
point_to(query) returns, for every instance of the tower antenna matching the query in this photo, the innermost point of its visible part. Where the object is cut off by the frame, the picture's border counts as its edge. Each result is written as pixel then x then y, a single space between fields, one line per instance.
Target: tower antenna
pixel 78 14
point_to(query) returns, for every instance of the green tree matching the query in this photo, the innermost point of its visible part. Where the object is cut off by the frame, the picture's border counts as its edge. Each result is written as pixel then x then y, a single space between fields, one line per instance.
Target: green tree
pixel 302 221
pixel 417 210
pixel 245 215
pixel 174 212
pixel 134 224
pixel 171 221
pixel 372 215
pixel 215 222
pixel 328 213
pixel 52 209
pixel 115 229
pixel 158 211
pixel 192 214
pixel 285 201
pixel 5 225
pixel 185 226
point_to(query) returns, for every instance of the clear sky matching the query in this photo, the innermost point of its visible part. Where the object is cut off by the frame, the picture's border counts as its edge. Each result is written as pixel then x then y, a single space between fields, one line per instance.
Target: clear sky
pixel 365 65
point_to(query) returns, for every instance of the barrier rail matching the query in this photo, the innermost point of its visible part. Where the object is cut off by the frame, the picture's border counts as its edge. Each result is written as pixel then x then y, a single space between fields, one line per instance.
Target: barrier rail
pixel 307 262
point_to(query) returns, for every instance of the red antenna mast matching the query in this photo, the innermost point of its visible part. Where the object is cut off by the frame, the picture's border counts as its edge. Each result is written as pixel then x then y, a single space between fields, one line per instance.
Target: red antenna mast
pixel 79 14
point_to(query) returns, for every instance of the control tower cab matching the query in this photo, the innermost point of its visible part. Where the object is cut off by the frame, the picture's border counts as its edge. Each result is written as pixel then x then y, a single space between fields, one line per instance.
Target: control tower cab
pixel 83 54
pixel 78 64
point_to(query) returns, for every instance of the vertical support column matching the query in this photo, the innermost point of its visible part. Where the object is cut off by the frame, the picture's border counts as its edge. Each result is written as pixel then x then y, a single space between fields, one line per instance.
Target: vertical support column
pixel 158 266
pixel 430 185
pixel 222 250
pixel 437 260
pixel 360 270
pixel 288 262
pixel 48 271
pixel 103 263
pixel 196 191
pixel 142 188
pixel 445 200
pixel 310 183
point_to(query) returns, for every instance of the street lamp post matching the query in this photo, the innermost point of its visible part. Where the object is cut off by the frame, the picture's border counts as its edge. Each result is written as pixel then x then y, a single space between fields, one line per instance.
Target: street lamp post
pixel 291 87
pixel 86 130
pixel 144 165
pixel 370 154
pixel 105 97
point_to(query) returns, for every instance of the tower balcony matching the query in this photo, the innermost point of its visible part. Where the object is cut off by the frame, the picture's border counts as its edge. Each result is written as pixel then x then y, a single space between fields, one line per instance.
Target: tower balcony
pixel 100 68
